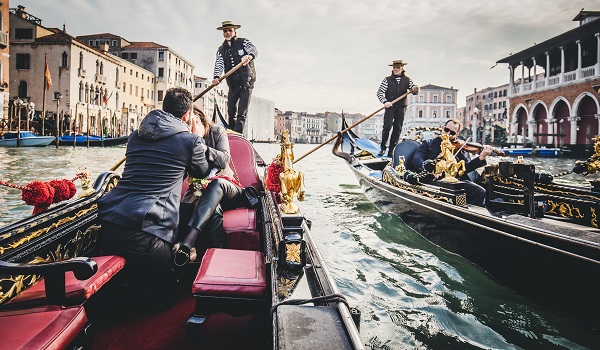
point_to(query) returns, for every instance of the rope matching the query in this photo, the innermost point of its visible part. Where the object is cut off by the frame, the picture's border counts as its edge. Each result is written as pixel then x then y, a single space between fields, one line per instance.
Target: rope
pixel 322 299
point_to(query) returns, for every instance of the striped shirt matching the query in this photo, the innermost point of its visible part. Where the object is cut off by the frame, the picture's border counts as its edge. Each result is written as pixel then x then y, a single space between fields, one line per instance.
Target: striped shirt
pixel 384 86
pixel 249 48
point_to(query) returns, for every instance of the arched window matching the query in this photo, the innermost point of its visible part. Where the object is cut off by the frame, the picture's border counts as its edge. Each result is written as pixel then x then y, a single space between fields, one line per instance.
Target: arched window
pixel 64 59
pixel 23 89
pixel 101 68
pixel 81 94
pixel 87 93
pixel 117 74
pixel 81 60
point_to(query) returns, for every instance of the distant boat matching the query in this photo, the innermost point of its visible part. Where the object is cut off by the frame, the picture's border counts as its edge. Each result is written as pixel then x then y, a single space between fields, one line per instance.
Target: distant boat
pixel 536 152
pixel 27 139
pixel 94 141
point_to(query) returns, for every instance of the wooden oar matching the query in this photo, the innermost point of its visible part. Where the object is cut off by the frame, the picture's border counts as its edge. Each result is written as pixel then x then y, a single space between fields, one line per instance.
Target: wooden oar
pixel 352 126
pixel 221 79
pixel 116 166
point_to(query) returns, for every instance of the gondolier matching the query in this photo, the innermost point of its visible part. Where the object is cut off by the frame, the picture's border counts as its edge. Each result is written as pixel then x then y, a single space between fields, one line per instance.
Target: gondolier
pixel 233 51
pixel 391 88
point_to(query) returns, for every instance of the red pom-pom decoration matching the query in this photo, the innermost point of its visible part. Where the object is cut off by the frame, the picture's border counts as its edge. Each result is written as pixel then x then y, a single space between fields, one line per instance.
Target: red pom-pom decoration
pixel 273 171
pixel 63 189
pixel 38 193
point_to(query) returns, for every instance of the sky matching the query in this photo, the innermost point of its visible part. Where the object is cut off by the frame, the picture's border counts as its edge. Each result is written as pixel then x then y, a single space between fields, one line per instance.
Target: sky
pixel 331 55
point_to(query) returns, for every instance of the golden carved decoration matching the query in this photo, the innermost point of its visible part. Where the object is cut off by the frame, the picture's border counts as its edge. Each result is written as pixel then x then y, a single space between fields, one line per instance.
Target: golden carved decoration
pixel 44 230
pixel 594 219
pixel 446 162
pixel 292 181
pixel 565 210
pixel 285 286
pixel 292 252
pixel 85 182
pixel 389 179
pixel 400 169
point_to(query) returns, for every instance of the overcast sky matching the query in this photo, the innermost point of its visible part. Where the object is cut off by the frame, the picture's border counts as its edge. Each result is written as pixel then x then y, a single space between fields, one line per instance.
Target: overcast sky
pixel 331 55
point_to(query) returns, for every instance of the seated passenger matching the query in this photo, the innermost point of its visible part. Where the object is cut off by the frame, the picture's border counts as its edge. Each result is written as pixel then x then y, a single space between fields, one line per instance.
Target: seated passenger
pixel 139 215
pixel 430 149
pixel 204 213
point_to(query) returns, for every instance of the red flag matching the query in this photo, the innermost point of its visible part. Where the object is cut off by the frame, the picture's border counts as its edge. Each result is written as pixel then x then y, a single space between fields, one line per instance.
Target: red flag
pixel 47 77
pixel 105 98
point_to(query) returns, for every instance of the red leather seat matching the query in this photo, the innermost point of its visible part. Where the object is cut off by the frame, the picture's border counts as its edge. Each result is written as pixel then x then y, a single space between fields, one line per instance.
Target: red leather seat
pixel 243 162
pixel 231 273
pixel 240 227
pixel 48 327
pixel 76 291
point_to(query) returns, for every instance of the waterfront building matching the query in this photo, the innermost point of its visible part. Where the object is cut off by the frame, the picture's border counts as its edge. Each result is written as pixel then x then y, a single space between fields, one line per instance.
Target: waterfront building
pixel 485 117
pixel 432 107
pixel 283 121
pixel 91 91
pixel 559 105
pixel 170 68
pixel 4 60
pixel 214 97
pixel 260 120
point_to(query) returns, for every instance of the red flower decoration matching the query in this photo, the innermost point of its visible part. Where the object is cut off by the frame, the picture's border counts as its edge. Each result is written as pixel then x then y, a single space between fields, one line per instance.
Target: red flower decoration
pixel 273 171
pixel 63 189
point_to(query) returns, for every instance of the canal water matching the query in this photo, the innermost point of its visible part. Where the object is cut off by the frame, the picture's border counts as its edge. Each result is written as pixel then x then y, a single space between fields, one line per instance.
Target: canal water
pixel 412 294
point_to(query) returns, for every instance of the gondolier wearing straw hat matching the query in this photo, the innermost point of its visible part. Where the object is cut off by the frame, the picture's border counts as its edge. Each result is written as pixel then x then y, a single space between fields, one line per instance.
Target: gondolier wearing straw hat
pixel 233 51
pixel 391 88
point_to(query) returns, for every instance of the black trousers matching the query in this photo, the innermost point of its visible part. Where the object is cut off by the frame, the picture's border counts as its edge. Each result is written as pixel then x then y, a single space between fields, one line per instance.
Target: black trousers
pixel 147 271
pixel 238 101
pixel 393 118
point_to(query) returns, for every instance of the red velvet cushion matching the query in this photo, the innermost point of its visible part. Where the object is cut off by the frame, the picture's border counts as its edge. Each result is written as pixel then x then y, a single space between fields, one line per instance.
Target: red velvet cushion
pixel 48 327
pixel 240 219
pixel 76 291
pixel 231 273
pixel 243 162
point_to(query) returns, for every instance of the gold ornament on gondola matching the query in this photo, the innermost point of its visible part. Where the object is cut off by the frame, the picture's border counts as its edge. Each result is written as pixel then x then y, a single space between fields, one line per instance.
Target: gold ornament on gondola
pixel 292 181
pixel 447 164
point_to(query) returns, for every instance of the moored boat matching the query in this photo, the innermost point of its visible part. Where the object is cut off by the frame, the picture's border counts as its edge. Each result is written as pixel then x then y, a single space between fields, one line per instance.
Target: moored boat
pixel 92 141
pixel 268 287
pixel 25 139
pixel 535 236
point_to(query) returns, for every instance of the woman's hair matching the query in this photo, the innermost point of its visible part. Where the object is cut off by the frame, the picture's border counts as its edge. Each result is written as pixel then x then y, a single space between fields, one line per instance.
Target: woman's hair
pixel 203 119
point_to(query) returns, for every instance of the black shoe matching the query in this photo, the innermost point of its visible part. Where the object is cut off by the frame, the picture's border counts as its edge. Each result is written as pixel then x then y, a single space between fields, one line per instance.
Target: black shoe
pixel 381 153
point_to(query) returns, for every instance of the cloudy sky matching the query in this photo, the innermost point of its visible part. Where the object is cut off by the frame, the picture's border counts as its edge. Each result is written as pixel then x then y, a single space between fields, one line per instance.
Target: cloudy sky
pixel 331 55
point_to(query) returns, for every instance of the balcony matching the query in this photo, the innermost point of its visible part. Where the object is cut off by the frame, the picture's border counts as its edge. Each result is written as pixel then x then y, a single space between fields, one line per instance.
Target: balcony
pixel 81 72
pixel 100 79
pixel 160 79
pixel 567 78
pixel 3 40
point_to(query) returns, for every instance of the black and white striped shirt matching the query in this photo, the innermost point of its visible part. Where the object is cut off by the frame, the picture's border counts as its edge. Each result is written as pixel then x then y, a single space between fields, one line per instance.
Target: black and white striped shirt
pixel 384 86
pixel 220 64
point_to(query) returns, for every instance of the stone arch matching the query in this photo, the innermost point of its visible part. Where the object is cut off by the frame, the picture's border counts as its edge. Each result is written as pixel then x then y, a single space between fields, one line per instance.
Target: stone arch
pixel 585 108
pixel 560 110
pixel 539 114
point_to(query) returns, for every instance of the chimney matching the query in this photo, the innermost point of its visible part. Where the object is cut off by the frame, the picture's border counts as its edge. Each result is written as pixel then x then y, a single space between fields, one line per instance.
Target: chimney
pixel 104 47
pixel 21 11
pixel 474 90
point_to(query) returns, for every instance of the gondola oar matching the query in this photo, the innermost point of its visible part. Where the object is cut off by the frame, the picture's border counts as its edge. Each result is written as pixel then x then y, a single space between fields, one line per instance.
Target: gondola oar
pixel 353 125
pixel 221 79
pixel 116 166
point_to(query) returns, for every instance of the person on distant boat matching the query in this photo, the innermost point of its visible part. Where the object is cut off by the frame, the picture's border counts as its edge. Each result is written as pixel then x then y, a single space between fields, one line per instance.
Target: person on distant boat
pixel 430 149
pixel 390 89
pixel 139 215
pixel 233 51
pixel 201 209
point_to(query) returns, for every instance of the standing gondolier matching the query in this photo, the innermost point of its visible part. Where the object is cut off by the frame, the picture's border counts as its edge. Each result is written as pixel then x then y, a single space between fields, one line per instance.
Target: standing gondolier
pixel 233 51
pixel 391 88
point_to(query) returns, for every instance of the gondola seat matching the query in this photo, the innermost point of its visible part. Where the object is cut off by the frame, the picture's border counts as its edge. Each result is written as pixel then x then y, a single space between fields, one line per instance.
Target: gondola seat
pixel 45 327
pixel 407 149
pixel 243 162
pixel 240 228
pixel 76 291
pixel 230 281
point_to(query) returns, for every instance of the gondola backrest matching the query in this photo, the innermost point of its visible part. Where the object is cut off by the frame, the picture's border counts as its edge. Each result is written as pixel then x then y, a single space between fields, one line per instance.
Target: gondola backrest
pixel 243 162
pixel 406 148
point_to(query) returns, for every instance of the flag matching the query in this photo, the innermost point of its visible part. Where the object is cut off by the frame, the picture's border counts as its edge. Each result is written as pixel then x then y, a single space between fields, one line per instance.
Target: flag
pixel 47 78
pixel 105 98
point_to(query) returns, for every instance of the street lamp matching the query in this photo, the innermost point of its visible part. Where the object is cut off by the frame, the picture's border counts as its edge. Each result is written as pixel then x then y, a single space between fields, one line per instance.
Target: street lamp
pixel 475 124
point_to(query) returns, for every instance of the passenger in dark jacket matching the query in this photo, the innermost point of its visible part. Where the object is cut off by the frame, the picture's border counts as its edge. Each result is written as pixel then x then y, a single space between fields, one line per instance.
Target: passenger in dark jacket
pixel 140 214
pixel 430 149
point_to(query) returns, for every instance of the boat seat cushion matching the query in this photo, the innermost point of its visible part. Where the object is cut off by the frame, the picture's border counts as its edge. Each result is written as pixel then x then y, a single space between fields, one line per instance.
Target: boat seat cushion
pixel 231 273
pixel 76 291
pixel 407 149
pixel 243 162
pixel 47 327
pixel 240 228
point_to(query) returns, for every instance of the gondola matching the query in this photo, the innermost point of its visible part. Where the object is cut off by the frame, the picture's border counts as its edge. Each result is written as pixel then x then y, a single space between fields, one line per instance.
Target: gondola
pixel 537 237
pixel 92 141
pixel 268 288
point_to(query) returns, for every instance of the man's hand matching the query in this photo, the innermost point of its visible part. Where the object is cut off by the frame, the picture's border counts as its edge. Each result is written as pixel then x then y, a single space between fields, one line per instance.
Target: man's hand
pixel 486 151
pixel 387 104
pixel 246 59
pixel 415 90
pixel 216 82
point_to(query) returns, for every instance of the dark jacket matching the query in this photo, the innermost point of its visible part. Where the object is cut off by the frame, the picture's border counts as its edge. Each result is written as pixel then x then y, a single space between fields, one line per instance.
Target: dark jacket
pixel 396 89
pixel 148 194
pixel 245 76
pixel 430 149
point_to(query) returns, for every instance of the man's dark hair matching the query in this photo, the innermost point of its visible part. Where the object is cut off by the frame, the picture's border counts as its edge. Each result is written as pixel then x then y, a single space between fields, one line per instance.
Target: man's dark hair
pixel 177 101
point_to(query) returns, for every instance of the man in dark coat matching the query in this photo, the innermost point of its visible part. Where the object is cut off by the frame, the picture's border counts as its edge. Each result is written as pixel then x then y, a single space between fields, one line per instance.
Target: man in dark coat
pixel 430 149
pixel 140 214
pixel 233 51
pixel 390 89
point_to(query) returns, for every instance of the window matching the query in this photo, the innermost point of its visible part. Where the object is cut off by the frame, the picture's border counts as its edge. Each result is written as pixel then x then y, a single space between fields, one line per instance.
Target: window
pixel 24 33
pixel 420 98
pixel 435 113
pixel 91 42
pixel 161 56
pixel 495 94
pixel 23 89
pixel 117 74
pixel 435 99
pixel 125 55
pixel 133 56
pixel 64 58
pixel 101 68
pixel 97 43
pixel 448 98
pixel 81 60
pixel 447 113
pixel 160 95
pixel 23 61
pixel 114 43
pixel 124 87
pixel 136 90
pixel 131 72
pixel 81 91
pixel 136 74
pixel 420 113
pixel 161 72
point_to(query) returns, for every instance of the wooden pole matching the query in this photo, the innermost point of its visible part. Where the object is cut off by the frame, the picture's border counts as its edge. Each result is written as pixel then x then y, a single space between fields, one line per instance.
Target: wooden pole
pixel 116 166
pixel 352 126
pixel 88 125
pixel 221 79
pixel 57 124
pixel 44 96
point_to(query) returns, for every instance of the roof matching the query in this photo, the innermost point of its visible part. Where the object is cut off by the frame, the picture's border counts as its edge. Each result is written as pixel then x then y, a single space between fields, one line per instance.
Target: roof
pixel 588 29
pixel 101 35
pixel 585 14
pixel 435 87
pixel 144 45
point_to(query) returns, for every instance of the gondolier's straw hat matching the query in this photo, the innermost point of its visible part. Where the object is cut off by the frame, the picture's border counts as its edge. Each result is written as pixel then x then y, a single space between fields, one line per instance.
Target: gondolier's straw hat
pixel 228 24
pixel 398 63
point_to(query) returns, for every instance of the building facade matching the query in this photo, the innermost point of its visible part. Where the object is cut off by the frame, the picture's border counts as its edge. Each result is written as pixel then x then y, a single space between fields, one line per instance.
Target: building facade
pixel 555 101
pixel 432 107
pixel 485 118
pixel 4 61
